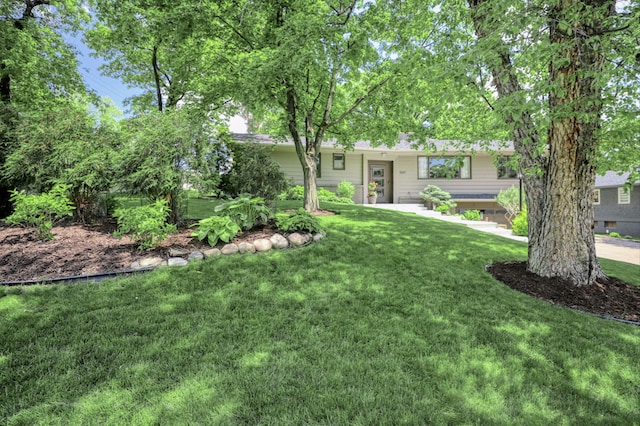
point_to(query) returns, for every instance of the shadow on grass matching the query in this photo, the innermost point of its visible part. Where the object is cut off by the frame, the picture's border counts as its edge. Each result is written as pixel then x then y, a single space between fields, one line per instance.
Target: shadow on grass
pixel 390 319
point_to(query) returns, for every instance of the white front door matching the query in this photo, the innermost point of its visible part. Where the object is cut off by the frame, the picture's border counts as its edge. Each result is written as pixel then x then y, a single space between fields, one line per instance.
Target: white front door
pixel 381 175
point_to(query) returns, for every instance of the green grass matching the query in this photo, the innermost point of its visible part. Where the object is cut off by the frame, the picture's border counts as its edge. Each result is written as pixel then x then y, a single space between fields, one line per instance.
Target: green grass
pixel 390 320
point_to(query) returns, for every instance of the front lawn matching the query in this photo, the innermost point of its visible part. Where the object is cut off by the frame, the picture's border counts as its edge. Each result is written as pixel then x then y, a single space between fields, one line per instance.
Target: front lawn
pixel 391 319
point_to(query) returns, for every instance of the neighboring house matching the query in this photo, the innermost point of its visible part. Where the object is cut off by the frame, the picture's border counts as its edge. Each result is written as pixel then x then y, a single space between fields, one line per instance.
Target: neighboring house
pixel 616 208
pixel 401 171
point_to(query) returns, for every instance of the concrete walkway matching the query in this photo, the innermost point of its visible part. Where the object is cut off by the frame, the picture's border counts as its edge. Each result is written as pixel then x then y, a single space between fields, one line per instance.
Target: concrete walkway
pixel 606 247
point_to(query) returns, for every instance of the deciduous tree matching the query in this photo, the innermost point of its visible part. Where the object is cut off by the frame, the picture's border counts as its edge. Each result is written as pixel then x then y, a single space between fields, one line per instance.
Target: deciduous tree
pixel 554 66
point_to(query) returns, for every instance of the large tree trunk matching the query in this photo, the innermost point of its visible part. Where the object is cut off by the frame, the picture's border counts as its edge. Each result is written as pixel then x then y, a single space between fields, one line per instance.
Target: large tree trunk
pixel 559 184
pixel 564 241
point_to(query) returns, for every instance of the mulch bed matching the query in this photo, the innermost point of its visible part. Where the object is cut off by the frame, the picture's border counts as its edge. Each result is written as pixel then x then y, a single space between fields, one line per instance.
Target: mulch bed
pixel 614 298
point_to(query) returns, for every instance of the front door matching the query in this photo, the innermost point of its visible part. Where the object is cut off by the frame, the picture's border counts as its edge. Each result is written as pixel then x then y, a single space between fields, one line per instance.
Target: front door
pixel 380 173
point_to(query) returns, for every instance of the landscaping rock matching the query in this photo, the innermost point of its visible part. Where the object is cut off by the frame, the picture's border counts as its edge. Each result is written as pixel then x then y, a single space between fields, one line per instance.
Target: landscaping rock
pixel 296 239
pixel 177 252
pixel 196 255
pixel 229 249
pixel 176 261
pixel 262 245
pixel 245 247
pixel 318 236
pixel 213 252
pixel 151 262
pixel 279 242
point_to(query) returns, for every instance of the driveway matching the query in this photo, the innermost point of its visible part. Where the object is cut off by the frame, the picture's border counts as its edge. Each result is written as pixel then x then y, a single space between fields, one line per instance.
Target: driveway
pixel 606 247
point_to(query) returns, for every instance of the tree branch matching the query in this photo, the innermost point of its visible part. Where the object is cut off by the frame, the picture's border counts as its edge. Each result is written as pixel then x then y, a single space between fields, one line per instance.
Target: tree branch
pixel 358 101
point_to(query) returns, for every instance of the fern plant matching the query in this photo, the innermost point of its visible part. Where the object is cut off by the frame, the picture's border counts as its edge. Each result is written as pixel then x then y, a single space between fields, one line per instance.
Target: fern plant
pixel 216 228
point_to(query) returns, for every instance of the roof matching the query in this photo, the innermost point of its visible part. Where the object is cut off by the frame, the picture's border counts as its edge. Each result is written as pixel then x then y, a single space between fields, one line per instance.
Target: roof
pixel 613 179
pixel 404 144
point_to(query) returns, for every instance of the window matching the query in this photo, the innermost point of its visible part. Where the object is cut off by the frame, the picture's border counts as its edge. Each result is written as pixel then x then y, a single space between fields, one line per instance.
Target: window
pixel 609 224
pixel 506 168
pixel 338 161
pixel 596 197
pixel 624 197
pixel 319 166
pixel 444 167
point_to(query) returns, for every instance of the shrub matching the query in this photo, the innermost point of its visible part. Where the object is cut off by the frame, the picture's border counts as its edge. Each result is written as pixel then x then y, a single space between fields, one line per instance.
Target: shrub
pixel 40 211
pixel 297 193
pixel 434 195
pixel 443 208
pixel 245 211
pixel 292 193
pixel 253 172
pixel 614 234
pixel 520 225
pixel 472 215
pixel 216 228
pixel 301 221
pixel 509 199
pixel 147 225
pixel 345 190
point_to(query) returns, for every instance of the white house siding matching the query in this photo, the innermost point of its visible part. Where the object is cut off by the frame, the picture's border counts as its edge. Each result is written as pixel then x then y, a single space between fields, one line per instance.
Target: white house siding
pixel 406 186
pixel 484 179
pixel 286 157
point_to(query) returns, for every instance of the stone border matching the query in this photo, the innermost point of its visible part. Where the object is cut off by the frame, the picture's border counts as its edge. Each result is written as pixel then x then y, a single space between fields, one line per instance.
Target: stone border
pixel 276 242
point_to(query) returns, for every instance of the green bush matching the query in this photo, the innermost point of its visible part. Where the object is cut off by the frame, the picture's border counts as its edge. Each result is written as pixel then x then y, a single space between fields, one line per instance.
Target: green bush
pixel 245 211
pixel 520 225
pixel 292 193
pixel 41 211
pixel 345 190
pixel 614 234
pixel 472 215
pixel 299 221
pixel 443 208
pixel 147 225
pixel 297 193
pixel 253 172
pixel 434 195
pixel 216 228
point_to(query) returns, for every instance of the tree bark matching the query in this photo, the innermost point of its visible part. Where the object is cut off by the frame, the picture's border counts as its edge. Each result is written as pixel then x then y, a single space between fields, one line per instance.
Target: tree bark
pixel 306 152
pixel 560 182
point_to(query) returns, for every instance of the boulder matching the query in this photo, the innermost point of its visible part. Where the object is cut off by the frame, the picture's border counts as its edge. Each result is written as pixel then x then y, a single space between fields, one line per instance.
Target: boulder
pixel 196 255
pixel 151 262
pixel 229 249
pixel 211 253
pixel 245 247
pixel 278 241
pixel 296 239
pixel 318 236
pixel 176 261
pixel 262 244
pixel 177 252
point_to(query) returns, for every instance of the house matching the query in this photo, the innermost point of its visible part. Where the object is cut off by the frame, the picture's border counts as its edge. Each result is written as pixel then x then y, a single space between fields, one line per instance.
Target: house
pixel 401 171
pixel 616 208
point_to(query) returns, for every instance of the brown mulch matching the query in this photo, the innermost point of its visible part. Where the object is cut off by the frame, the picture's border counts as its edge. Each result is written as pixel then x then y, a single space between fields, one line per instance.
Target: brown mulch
pixel 92 249
pixel 88 249
pixel 613 298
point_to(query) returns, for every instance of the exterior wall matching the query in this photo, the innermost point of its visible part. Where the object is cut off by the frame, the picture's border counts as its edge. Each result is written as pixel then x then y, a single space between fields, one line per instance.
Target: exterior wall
pixel 484 179
pixel 286 157
pixel 406 186
pixel 625 216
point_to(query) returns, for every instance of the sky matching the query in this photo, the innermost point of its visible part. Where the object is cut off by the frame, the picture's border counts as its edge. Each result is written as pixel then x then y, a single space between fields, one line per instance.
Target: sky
pixel 113 88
